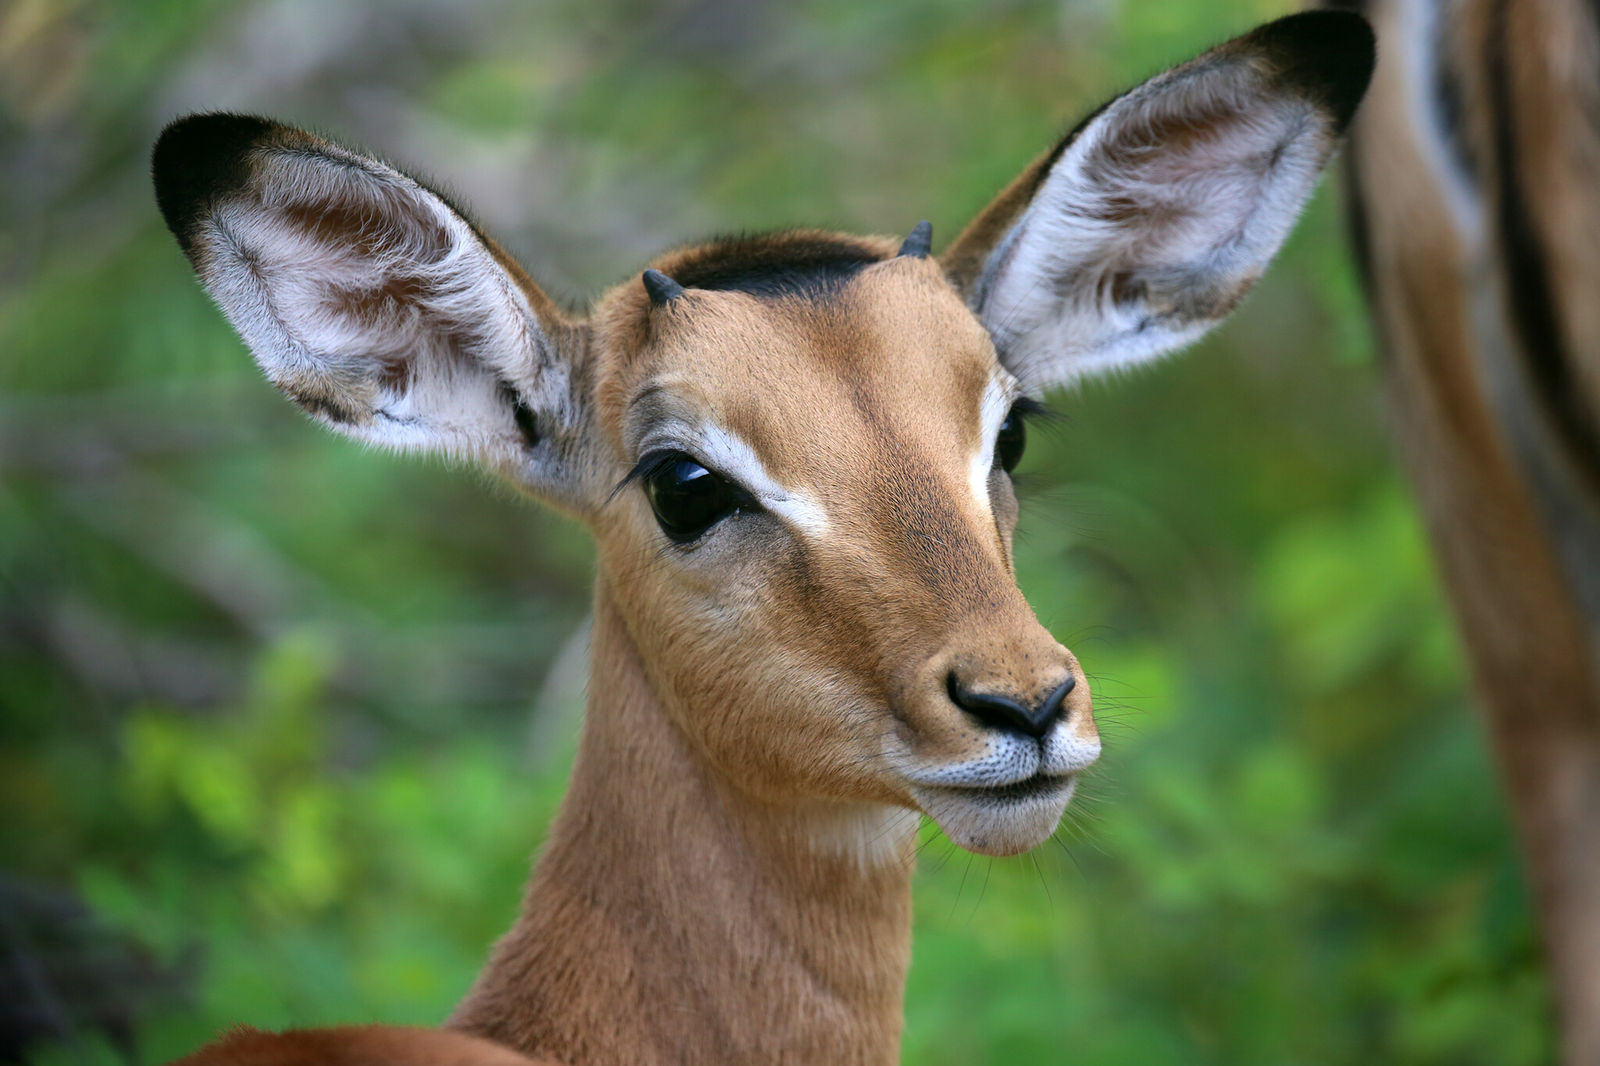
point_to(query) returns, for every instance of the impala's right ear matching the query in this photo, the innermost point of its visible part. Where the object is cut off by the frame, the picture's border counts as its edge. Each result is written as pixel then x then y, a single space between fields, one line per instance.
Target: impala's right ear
pixel 1149 223
pixel 373 304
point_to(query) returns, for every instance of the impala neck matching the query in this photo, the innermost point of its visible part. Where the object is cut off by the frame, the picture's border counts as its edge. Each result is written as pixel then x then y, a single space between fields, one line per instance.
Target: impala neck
pixel 674 919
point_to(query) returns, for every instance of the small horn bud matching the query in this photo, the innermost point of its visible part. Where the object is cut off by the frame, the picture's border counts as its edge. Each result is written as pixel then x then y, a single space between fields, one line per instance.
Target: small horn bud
pixel 920 241
pixel 662 289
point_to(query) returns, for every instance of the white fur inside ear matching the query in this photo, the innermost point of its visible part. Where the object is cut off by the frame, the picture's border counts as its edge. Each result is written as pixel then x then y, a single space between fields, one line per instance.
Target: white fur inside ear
pixel 365 298
pixel 1153 223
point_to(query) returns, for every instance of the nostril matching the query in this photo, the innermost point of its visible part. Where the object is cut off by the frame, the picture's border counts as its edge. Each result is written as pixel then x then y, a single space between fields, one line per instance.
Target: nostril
pixel 1054 702
pixel 1003 712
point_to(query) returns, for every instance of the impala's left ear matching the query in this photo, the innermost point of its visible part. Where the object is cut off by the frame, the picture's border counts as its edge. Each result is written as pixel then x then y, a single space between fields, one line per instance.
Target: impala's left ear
pixel 1149 223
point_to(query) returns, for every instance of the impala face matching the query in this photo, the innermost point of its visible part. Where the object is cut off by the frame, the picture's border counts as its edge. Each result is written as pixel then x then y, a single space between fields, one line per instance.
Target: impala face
pixel 815 535
pixel 794 451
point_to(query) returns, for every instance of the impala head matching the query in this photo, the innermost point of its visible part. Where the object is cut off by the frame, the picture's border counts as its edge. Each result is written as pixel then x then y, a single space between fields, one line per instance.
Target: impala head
pixel 794 451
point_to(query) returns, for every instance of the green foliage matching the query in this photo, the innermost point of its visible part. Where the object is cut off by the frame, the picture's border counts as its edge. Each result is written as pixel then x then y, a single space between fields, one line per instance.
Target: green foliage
pixel 267 696
pixel 315 893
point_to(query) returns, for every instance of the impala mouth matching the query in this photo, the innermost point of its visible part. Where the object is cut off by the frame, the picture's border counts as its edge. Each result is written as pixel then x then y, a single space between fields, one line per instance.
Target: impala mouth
pixel 999 819
pixel 1040 786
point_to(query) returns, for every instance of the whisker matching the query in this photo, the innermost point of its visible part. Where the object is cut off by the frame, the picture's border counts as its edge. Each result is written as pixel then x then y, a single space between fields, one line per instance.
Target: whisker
pixel 1042 882
pixel 962 887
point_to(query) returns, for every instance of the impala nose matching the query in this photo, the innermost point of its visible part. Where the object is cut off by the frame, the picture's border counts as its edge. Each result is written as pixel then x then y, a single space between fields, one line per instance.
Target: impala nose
pixel 1003 712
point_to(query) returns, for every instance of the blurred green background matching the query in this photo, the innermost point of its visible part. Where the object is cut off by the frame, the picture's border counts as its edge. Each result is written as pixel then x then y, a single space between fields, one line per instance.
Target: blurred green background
pixel 283 720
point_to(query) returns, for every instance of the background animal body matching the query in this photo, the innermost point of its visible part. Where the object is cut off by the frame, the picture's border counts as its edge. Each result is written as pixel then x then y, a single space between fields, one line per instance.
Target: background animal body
pixel 203 756
pixel 1475 168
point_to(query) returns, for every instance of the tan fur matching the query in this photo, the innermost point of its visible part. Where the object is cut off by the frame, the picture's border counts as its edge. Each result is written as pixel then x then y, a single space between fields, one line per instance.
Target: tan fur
pixel 676 921
pixel 354 1045
pixel 1439 300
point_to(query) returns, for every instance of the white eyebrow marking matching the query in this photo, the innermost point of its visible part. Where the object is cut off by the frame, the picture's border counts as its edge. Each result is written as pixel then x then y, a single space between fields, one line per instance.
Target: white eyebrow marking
pixel 997 400
pixel 728 453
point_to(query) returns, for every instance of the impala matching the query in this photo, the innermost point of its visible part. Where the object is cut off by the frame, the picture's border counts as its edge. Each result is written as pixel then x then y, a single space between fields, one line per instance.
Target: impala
pixel 794 453
pixel 1476 177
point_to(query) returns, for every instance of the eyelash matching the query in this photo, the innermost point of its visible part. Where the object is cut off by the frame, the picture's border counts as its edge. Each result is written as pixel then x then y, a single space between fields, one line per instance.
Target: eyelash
pixel 1031 409
pixel 649 463
pixel 652 461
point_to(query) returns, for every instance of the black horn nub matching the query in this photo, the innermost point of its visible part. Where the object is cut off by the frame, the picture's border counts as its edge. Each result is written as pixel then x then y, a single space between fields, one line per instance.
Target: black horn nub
pixel 920 241
pixel 662 289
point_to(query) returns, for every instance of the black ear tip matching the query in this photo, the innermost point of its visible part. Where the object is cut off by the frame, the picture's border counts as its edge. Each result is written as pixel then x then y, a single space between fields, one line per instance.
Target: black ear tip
pixel 1329 53
pixel 198 157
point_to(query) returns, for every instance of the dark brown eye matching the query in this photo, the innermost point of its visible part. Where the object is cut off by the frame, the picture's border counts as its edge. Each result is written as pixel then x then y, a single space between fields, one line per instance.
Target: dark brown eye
pixel 687 498
pixel 1010 442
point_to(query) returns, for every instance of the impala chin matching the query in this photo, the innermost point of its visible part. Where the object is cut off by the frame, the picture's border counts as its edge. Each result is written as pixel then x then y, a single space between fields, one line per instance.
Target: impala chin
pixel 1003 820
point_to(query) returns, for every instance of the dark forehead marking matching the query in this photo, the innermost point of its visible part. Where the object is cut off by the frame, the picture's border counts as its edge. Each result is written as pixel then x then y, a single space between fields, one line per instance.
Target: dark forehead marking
pixel 775 264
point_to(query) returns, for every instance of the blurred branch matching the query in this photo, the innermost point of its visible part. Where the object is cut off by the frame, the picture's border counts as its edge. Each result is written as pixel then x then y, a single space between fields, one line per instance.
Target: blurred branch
pixel 559 706
pixel 230 565
pixel 209 552
pixel 93 433
pixel 113 658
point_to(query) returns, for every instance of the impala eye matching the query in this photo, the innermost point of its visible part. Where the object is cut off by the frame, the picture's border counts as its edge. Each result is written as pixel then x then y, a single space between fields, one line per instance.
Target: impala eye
pixel 1011 441
pixel 687 498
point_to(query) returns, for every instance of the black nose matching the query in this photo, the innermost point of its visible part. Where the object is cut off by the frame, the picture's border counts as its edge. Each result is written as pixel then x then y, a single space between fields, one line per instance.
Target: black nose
pixel 1003 712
